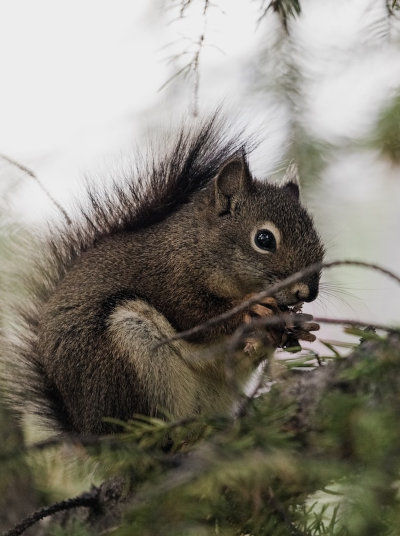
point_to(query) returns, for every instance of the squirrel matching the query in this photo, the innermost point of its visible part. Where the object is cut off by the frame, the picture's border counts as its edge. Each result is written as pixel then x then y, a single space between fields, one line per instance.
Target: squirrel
pixel 187 238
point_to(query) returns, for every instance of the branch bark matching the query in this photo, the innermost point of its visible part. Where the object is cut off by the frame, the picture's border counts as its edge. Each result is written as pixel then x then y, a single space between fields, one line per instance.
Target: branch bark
pixel 99 508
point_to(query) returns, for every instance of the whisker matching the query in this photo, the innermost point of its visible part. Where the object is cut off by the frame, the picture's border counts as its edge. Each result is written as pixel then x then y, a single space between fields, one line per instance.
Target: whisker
pixel 335 290
pixel 338 298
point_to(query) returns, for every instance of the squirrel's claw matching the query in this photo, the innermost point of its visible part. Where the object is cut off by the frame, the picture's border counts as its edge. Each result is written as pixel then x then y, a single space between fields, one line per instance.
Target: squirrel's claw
pixel 302 332
pixel 267 307
pixel 296 327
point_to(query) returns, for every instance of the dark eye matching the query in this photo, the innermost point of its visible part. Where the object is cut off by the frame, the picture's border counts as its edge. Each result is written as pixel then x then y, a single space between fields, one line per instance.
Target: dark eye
pixel 265 240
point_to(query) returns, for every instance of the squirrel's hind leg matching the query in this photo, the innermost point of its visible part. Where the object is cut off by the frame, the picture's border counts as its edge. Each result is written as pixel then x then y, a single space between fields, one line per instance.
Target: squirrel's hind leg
pixel 136 328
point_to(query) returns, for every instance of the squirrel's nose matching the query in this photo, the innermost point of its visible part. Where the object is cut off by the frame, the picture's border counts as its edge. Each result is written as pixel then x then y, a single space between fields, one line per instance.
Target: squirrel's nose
pixel 305 292
pixel 301 291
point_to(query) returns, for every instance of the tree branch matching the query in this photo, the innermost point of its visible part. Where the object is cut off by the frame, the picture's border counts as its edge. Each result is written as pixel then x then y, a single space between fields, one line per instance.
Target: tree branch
pixel 102 502
pixel 29 172
pixel 273 289
pixel 392 6
pixel 277 319
pixel 71 439
pixel 87 499
pixel 193 65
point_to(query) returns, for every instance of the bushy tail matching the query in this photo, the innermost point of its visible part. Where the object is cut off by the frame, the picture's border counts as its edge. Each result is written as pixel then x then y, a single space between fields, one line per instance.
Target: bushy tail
pixel 25 386
pixel 166 180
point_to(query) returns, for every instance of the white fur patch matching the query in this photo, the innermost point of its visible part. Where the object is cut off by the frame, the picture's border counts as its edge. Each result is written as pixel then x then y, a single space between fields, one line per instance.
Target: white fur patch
pixel 270 227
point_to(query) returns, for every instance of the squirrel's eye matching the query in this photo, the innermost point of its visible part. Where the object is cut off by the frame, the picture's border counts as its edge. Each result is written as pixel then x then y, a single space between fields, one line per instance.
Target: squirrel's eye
pixel 265 240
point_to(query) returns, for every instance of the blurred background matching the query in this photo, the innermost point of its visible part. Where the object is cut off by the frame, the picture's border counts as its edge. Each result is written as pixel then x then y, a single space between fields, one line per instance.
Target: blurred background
pixel 86 83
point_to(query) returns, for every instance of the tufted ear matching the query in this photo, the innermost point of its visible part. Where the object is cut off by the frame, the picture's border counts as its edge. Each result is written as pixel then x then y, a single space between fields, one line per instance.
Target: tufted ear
pixel 233 178
pixel 291 181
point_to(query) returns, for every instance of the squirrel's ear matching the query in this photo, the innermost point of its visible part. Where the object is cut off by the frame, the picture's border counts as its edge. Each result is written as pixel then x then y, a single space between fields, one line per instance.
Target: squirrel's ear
pixel 233 178
pixel 291 181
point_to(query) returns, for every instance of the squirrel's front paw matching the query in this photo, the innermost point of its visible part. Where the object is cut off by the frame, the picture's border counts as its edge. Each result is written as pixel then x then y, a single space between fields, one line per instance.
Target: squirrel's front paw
pixel 267 307
pixel 298 328
pixel 294 327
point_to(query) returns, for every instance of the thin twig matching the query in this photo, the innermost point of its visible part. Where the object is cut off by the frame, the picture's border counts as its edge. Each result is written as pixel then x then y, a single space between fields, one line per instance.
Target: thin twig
pixel 87 499
pixel 85 441
pixel 258 323
pixel 392 6
pixel 196 71
pixel 39 183
pixel 112 440
pixel 184 5
pixel 193 65
pixel 183 70
pixel 244 329
pixel 356 323
pixel 273 289
pixel 196 61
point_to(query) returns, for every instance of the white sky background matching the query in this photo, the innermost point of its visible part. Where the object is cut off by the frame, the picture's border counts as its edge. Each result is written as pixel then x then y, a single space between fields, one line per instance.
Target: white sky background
pixel 79 88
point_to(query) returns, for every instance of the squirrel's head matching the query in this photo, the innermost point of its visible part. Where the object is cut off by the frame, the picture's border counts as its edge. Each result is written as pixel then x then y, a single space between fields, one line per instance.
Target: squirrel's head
pixel 259 234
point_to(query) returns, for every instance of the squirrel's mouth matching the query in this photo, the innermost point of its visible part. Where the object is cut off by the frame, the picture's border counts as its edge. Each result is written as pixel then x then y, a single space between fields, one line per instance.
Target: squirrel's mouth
pixel 295 308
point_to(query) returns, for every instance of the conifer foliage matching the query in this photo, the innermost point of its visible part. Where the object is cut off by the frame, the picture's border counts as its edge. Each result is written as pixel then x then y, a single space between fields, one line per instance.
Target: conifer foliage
pixel 317 455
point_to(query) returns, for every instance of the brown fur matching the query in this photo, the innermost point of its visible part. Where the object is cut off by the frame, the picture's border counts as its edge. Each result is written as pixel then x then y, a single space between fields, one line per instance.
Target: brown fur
pixel 152 260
